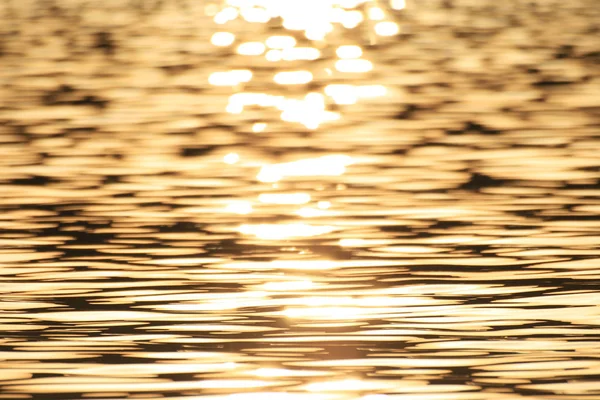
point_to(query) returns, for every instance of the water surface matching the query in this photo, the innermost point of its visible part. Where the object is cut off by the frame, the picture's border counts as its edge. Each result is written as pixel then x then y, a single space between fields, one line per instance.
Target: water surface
pixel 349 201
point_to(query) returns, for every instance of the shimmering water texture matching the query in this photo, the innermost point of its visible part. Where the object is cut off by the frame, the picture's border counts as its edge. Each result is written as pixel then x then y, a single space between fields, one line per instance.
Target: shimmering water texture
pixel 262 200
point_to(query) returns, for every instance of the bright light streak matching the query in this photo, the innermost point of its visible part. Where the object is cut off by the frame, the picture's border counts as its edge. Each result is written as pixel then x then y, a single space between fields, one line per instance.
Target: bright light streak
pixel 332 165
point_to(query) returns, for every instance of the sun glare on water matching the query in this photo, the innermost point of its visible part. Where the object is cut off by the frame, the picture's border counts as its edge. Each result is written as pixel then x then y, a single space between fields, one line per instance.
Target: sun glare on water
pixel 307 25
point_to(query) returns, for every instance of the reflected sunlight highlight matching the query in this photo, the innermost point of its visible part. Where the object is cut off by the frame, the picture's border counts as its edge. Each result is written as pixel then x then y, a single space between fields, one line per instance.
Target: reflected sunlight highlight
pixel 315 20
pixel 284 198
pixel 332 165
pixel 285 231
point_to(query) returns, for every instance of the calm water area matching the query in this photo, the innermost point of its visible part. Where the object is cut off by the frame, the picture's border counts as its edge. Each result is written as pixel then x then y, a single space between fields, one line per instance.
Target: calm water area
pixel 300 200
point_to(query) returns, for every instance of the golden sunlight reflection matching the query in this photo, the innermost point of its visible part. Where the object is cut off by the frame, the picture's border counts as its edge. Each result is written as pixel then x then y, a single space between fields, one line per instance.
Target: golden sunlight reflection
pixel 230 78
pixel 255 14
pixel 239 207
pixel 351 242
pixel 222 39
pixel 301 265
pixel 225 15
pixel 316 20
pixel 387 28
pixel 231 158
pixel 311 212
pixel 280 42
pixel 284 198
pixel 293 77
pixel 324 204
pixel 298 54
pixel 376 13
pixel 349 51
pixel 332 165
pixel 281 372
pixel 350 94
pixel 291 285
pixel 354 65
pixel 285 231
pixel 251 48
pixel 258 127
pixel 398 4
pixel 349 385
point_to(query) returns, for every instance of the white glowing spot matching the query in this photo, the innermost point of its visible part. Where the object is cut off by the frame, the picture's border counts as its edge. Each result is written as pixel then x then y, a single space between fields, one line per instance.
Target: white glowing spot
pixel 342 94
pixel 337 15
pixel 230 78
pixel 300 53
pixel 349 94
pixel 376 14
pixel 233 108
pixel 349 51
pixel 352 19
pixel 387 28
pixel 351 242
pixel 239 207
pixel 293 77
pixel 315 34
pixel 293 24
pixel 333 165
pixel 324 205
pixel 284 198
pixel 398 4
pixel 225 15
pixel 231 158
pixel 280 42
pixel 222 39
pixel 274 55
pixel 268 174
pixel 354 65
pixel 369 91
pixel 259 127
pixel 251 49
pixel 309 111
pixel 255 14
pixel 285 231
